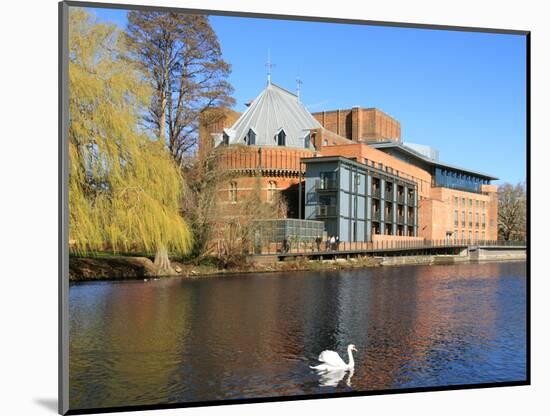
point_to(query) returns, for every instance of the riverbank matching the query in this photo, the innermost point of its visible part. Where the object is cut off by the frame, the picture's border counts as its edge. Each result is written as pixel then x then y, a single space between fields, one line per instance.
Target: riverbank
pixel 127 267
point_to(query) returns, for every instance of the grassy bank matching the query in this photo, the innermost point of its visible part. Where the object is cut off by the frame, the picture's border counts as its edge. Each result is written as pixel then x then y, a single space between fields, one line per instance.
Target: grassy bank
pixel 133 267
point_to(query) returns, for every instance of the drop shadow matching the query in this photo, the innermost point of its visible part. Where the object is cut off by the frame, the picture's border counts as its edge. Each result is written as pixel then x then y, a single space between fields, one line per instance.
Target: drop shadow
pixel 49 404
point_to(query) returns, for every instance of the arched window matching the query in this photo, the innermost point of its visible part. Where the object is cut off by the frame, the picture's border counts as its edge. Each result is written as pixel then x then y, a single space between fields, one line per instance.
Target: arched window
pixel 281 138
pixel 250 138
pixel 271 189
pixel 233 192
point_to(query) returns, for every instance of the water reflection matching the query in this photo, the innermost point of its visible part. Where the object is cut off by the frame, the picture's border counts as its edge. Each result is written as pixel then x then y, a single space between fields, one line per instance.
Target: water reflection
pixel 255 336
pixel 332 378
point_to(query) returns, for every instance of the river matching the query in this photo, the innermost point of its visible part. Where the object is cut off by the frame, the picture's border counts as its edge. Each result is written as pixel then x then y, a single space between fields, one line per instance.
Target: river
pixel 255 335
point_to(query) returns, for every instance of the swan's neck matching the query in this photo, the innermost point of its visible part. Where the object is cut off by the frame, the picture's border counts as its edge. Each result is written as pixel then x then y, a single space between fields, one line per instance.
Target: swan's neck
pixel 351 362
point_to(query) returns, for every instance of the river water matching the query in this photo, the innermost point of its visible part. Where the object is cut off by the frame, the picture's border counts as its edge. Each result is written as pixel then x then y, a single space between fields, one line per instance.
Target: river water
pixel 255 335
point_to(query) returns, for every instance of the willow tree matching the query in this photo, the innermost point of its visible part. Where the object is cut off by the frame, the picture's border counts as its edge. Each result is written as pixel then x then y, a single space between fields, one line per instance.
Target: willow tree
pixel 124 188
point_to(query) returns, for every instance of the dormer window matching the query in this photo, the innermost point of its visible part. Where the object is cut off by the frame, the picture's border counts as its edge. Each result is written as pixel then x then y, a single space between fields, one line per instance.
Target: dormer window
pixel 250 138
pixel 225 139
pixel 307 141
pixel 281 138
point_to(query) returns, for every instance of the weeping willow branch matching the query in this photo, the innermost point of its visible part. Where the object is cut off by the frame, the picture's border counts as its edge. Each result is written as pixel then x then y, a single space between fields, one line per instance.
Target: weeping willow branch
pixel 125 190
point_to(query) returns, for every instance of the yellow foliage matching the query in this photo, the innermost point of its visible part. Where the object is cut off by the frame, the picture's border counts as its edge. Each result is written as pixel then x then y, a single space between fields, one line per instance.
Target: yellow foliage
pixel 124 188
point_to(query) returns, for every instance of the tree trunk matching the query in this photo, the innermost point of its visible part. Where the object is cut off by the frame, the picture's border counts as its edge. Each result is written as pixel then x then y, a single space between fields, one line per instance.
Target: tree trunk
pixel 162 263
pixel 162 117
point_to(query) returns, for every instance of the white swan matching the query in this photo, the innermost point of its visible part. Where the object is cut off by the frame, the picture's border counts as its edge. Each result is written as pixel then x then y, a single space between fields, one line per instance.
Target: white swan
pixel 332 361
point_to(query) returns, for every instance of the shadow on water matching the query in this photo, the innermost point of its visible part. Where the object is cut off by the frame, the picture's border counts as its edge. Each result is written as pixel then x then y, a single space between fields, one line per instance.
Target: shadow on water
pixel 174 340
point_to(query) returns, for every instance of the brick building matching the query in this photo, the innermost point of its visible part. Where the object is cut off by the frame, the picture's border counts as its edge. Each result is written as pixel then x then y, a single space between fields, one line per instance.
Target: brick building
pixel 361 124
pixel 281 147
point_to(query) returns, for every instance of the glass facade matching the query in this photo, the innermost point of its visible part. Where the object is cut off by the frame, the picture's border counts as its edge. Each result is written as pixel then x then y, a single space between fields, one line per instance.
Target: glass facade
pixel 279 230
pixel 357 201
pixel 456 180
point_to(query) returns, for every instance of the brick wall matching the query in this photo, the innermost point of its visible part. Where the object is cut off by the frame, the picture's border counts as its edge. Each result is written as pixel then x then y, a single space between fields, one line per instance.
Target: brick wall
pixel 214 121
pixel 361 124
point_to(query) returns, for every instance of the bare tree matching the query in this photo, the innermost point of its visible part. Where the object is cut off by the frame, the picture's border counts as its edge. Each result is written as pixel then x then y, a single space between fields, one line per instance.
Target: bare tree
pixel 512 211
pixel 240 222
pixel 205 177
pixel 182 59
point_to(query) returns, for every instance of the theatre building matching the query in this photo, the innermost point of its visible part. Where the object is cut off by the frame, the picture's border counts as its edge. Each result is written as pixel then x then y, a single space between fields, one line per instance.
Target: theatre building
pixel 351 170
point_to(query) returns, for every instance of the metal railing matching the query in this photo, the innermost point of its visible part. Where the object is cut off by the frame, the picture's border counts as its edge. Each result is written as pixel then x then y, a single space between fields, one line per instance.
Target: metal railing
pixel 376 193
pixel 326 185
pixel 376 215
pixel 322 247
pixel 325 211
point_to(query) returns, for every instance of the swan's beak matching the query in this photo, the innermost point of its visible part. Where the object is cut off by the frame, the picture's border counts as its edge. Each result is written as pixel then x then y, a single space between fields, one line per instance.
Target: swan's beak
pixel 354 349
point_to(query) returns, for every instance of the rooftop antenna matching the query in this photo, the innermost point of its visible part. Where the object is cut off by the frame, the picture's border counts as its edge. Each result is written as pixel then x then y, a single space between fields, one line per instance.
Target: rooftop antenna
pixel 298 85
pixel 269 66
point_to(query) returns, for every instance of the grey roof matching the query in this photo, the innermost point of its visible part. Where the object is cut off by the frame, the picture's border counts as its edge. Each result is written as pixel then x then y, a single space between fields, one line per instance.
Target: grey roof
pixel 411 152
pixel 274 109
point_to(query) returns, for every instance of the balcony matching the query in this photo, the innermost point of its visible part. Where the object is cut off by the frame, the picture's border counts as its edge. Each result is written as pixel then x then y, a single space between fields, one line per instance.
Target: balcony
pixel 324 211
pixel 400 199
pixel 410 220
pixel 410 200
pixel 388 196
pixel 326 185
pixel 376 193
pixel 376 215
pixel 400 219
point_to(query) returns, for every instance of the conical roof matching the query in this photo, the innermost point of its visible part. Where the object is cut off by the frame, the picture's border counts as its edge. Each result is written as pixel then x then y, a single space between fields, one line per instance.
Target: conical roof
pixel 274 109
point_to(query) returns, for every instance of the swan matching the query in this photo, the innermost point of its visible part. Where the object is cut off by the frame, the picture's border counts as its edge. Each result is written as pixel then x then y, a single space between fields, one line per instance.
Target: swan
pixel 332 361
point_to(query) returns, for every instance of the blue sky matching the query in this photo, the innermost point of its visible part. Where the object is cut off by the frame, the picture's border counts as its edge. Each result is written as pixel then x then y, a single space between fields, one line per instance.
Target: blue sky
pixel 462 93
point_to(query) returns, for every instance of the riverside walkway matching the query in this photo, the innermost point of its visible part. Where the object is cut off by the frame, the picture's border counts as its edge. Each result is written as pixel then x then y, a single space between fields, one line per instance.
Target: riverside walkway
pixel 326 250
